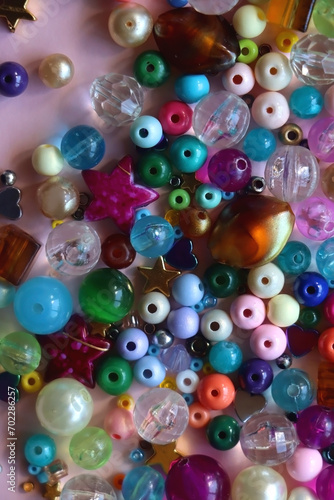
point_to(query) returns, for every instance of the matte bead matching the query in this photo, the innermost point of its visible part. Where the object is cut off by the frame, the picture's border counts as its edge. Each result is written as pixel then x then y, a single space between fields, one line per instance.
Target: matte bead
pixel 151 69
pixel 305 464
pixel 225 357
pixel 118 423
pixel 153 307
pixel 265 281
pixel 187 381
pixel 223 432
pixel 249 21
pixel 132 344
pixel 216 391
pixel 114 375
pixel 130 24
pixel 239 79
pixel 13 79
pixel 152 236
pixel 20 353
pixel 188 154
pixel 310 289
pixel 255 375
pixel 216 325
pixel 292 390
pixel 248 51
pixel 221 280
pixel 47 160
pixel 146 131
pixel 295 258
pixel 230 170
pixel 325 344
pixel 40 450
pixel 191 88
pixel 315 427
pixel 272 71
pixel 175 117
pixel 187 289
pixel 198 416
pixel 143 482
pixel 259 144
pixel 149 371
pixel 90 448
pixel 283 310
pixel 117 251
pixel 268 342
pixel 183 323
pixel 247 311
pixel 56 71
pixel 273 485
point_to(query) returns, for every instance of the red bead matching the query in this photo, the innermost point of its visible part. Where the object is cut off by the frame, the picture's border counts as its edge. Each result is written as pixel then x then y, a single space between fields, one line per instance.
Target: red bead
pixel 117 251
pixel 175 117
pixel 326 344
pixel 216 391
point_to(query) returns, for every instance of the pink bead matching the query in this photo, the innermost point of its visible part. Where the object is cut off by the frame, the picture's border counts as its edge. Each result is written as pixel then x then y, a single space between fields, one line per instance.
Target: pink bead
pixel 329 100
pixel 118 423
pixel 270 110
pixel 314 218
pixel 268 342
pixel 175 117
pixel 239 79
pixel 305 464
pixel 247 312
pixel 328 308
pixel 321 139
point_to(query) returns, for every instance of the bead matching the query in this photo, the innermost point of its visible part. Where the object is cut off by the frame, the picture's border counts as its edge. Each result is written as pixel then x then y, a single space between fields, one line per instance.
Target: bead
pixel 196 364
pixel 328 308
pixel 216 325
pixel 285 40
pixel 13 79
pixel 327 454
pixel 223 432
pixel 268 342
pixel 162 338
pixel 315 427
pixel 191 88
pixel 227 196
pixel 225 357
pixel 132 344
pixel 265 281
pixel 56 71
pixel 247 312
pixel 90 448
pixel 57 198
pixel 291 15
pixel 207 196
pixel 216 391
pixel 310 289
pixel 290 134
pixel 188 154
pixel 268 439
pixel 153 307
pixel 177 3
pixel 307 60
pixel 306 102
pixel 270 110
pixel 146 131
pixel 305 464
pixel 327 183
pixel 143 481
pixel 114 375
pixel 239 79
pixel 325 483
pixel 8 178
pixel 272 71
pixel 88 485
pixel 273 486
pixel 47 160
pixel 230 170
pixel 130 24
pixel 126 402
pixel 198 416
pixel 187 289
pixel 212 121
pixel 179 199
pixel 309 317
pixel 28 486
pixel 320 139
pixel 40 450
pixel 175 117
pixel 187 381
pixel 255 375
pixel 249 21
pixel 83 147
pixel 149 371
pixel 136 455
pixel 32 382
pixel 117 251
pixel 283 310
pixel 151 69
pixel 183 323
pixel 259 144
pixel 221 280
pixel 194 222
pixel 118 424
pixel 324 260
pixel 152 236
pixel 20 353
pixel 213 7
pixel 284 361
pixel 64 407
pixel 248 51
pixel 325 344
pixel 292 390
pixel 154 169
pixel 323 17
pixel 329 100
pixel 295 258
pixel 198 346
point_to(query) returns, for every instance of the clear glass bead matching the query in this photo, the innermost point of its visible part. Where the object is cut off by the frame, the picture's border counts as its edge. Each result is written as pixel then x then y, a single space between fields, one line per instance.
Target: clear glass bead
pixel 312 60
pixel 213 7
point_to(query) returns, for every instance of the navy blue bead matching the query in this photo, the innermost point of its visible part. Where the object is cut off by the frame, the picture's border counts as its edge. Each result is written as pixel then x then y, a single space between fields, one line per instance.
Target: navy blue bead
pixel 255 375
pixel 13 79
pixel 310 289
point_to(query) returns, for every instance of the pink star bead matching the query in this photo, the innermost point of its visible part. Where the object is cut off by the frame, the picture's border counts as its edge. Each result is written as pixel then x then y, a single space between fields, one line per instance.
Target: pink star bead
pixel 116 195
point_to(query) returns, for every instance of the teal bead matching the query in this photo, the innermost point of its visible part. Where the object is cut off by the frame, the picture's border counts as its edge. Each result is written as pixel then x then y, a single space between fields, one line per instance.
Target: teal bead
pixel 225 357
pixel 114 375
pixel 259 144
pixel 154 169
pixel 221 280
pixel 309 317
pixel 40 450
pixel 179 199
pixel 306 102
pixel 295 258
pixel 146 131
pixel 292 390
pixel 143 483
pixel 208 196
pixel 223 432
pixel 188 154
pixel 151 69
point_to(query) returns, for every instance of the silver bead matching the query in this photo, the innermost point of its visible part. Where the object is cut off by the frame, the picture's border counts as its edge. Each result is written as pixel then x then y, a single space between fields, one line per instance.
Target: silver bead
pixel 162 338
pixel 8 178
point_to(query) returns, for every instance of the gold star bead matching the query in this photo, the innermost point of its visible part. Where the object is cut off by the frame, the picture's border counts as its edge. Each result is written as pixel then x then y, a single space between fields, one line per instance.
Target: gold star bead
pixel 190 182
pixel 163 455
pixel 15 10
pixel 52 492
pixel 158 277
pixel 99 329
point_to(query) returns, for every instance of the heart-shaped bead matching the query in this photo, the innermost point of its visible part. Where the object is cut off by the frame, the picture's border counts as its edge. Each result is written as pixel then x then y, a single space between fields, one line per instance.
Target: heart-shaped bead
pixel 9 203
pixel 246 404
pixel 301 341
pixel 180 255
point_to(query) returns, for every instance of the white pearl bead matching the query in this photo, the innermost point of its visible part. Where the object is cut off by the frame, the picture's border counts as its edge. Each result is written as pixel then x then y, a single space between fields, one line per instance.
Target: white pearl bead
pixel 47 160
pixel 187 381
pixel 259 482
pixel 265 281
pixel 239 79
pixel 153 307
pixel 249 21
pixel 273 72
pixel 270 110
pixel 283 310
pixel 302 493
pixel 130 25
pixel 56 71
pixel 216 325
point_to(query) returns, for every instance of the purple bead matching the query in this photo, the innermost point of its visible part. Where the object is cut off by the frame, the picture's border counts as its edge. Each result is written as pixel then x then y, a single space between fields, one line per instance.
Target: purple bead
pixel 197 476
pixel 315 427
pixel 183 323
pixel 325 484
pixel 320 139
pixel 230 170
pixel 255 375
pixel 132 344
pixel 314 218
pixel 176 358
pixel 13 79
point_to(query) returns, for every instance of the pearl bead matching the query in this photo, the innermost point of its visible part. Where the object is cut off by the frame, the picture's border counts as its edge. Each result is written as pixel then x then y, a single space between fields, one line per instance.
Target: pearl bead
pixel 270 110
pixel 283 310
pixel 304 465
pixel 266 281
pixel 302 493
pixel 260 483
pixel 216 325
pixel 249 21
pixel 130 25
pixel 47 160
pixel 153 307
pixel 57 198
pixel 268 342
pixel 56 71
pixel 273 72
pixel 247 311
pixel 239 79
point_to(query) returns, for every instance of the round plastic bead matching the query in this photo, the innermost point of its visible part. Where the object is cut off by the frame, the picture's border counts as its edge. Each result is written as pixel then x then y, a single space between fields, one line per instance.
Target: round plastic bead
pixel 194 223
pixel 305 464
pixel 40 450
pixel 31 382
pixel 132 344
pixel 259 144
pixel 149 371
pixel 208 196
pixel 183 323
pixel 223 432
pixel 118 424
pixel 295 258
pixel 56 71
pixel 187 381
pixel 285 40
pixel 283 310
pixel 153 307
pixel 126 402
pixel 268 342
pixel 230 169
pixel 191 88
pixel 143 482
pixel 117 251
pixel 315 427
pixel 306 102
pixel 188 154
pixel 88 485
pixel 20 353
pixel 325 344
pixel 314 218
pixel 146 131
pixel 310 289
pixel 221 280
pixel 309 317
pixel 47 160
pixel 137 455
pixel 151 69
pixel 249 51
pixel 90 448
pixel 114 375
pixel 325 483
pixel 320 139
pixel 216 325
pixel 187 289
pixel 196 365
pixel 225 357
pixel 13 79
pixel 175 117
pixel 152 236
pixel 324 258
pixel 154 169
pixel 273 485
pixel 239 79
pixel 130 24
pixel 198 416
pixel 273 72
pixel 213 7
pixel 270 110
pixel 249 21
pixel 216 391
pixel 177 3
pixel 265 281
pixel 7 293
pixel 58 198
pixel 247 312
pixel 83 147
pixel 323 17
pixel 179 199
pixel 255 375
pixel 292 390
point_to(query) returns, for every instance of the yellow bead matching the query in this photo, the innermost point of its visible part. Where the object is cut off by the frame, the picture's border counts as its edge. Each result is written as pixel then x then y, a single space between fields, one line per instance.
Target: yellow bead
pixel 207 369
pixel 56 223
pixel 126 402
pixel 32 382
pixel 173 217
pixel 285 40
pixel 283 310
pixel 168 383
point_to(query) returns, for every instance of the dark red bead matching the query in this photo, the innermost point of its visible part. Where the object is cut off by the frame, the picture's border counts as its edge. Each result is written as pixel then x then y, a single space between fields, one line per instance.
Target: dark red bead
pixel 117 251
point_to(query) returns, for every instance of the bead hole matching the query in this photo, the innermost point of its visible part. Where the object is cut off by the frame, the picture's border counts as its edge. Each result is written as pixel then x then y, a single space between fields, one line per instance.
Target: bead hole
pixel 241 164
pixel 273 71
pixel 38 450
pixel 8 79
pixel 208 196
pixel 38 308
pixel 175 118
pixel 117 253
pixel 245 51
pixel 179 199
pixel 258 184
pixel 197 416
pixel 152 308
pixel 255 377
pixel 113 377
pixel 247 313
pixel 222 435
pixel 125 403
pixel 214 393
pixel 292 135
pixel 31 381
pixel 150 68
pixel 147 373
pixel 214 326
pixel 116 436
pixel 221 280
pixel 311 290
pixel 131 346
pixel 201 215
pixel 293 391
pixel 269 110
pixel 237 79
pixel 267 344
pixel 129 24
pixel 286 42
pixel 143 133
pixel 187 382
pixel 153 170
pixel 187 153
pixel 264 280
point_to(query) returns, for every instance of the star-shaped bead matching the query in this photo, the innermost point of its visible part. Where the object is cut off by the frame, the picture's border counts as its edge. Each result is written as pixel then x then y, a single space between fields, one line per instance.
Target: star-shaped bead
pixel 190 182
pixel 13 11
pixel 163 455
pixel 52 492
pixel 116 195
pixel 158 277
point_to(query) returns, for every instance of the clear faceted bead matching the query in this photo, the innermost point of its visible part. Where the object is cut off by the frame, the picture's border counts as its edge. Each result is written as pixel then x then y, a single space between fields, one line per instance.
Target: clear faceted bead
pixel 117 99
pixel 312 60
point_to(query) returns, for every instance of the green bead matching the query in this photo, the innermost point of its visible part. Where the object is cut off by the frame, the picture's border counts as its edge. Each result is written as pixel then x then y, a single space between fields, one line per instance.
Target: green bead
pixel 90 448
pixel 151 69
pixel 208 196
pixel 221 280
pixel 154 169
pixel 20 353
pixel 309 317
pixel 179 199
pixel 106 295
pixel 114 375
pixel 323 17
pixel 249 51
pixel 223 432
pixel 188 153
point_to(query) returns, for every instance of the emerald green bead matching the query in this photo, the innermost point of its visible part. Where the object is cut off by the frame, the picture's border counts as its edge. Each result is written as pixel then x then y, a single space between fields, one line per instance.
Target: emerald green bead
pixel 106 295
pixel 223 432
pixel 309 317
pixel 188 153
pixel 151 69
pixel 90 448
pixel 221 280
pixel 154 169
pixel 179 199
pixel 114 375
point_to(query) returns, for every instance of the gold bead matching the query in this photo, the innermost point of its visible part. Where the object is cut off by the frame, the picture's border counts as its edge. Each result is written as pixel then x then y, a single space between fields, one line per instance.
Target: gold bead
pixel 194 222
pixel 290 134
pixel 168 383
pixel 28 486
pixel 56 71
pixel 126 402
pixel 173 217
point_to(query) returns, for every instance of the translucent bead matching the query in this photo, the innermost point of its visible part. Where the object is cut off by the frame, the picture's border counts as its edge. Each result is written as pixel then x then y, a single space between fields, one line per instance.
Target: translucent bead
pixel 272 484
pixel 265 281
pixel 20 353
pixel 325 260
pixel 90 448
pixel 152 236
pixel 117 99
pixel 143 482
pixel 213 7
pixel 58 198
pixel 312 60
pixel 136 455
pixel 305 464
pixel 161 416
pixel 89 486
pixel 175 358
pixel 315 427
pixel 221 119
pixel 329 100
pixel 292 390
pixel 83 147
pixel 306 102
pixel 321 138
pixel 325 483
pixel 268 439
pixel 53 472
pixel 314 218
pixel 259 144
pixel 230 169
pixel 323 17
pixel 295 258
pixel 292 173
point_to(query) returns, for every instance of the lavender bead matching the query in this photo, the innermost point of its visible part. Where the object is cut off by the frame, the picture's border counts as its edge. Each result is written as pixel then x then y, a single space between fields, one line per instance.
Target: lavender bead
pixel 183 323
pixel 132 344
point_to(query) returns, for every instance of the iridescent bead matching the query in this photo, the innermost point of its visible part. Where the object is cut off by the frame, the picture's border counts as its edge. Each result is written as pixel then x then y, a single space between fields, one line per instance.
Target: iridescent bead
pixel 259 144
pixel 273 485
pixel 255 375
pixel 310 289
pixel 230 170
pixel 152 236
pixel 295 258
pixel 225 357
pixel 314 218
pixel 194 222
pixel 130 24
pixel 83 147
pixel 321 138
pixel 311 61
pixel 56 71
pixel 292 390
pixel 306 102
pixel 272 71
pixel 58 198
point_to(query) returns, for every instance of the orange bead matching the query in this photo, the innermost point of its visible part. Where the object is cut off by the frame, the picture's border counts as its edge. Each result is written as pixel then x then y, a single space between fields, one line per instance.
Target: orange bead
pixel 216 391
pixel 325 394
pixel 118 481
pixel 326 344
pixel 198 416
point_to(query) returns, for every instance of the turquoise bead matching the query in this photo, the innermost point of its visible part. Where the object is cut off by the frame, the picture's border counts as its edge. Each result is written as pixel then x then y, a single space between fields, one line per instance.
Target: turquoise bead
pixel 188 153
pixel 40 450
pixel 225 357
pixel 295 258
pixel 324 260
pixel 208 196
pixel 259 144
pixel 191 88
pixel 292 390
pixel 306 102
pixel 146 132
pixel 223 432
pixel 143 483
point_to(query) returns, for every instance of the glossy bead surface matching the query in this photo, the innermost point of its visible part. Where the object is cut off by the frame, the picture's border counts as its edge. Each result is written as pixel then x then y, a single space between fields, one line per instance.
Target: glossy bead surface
pixel 216 325
pixel 249 51
pixel 270 110
pixel 307 59
pixel 117 251
pixel 292 390
pixel 327 183
pixel 225 357
pixel 208 196
pixel 223 432
pixel 143 483
pixel 285 40
pixel 320 139
pixel 323 17
pixel 265 281
pixel 272 71
pixel 151 69
pixel 154 169
pixel 56 71
pixel 314 218
pixel 20 353
pixel 32 382
pixel 249 21
pixel 146 131
pixel 179 199
pixel 162 338
pixel 149 371
pixel 13 79
pixel 153 307
pixel 306 102
pixel 90 448
pixel 325 344
pixel 247 311
pixel 259 144
pixel 89 485
pixel 328 308
pixel 268 342
pixel 40 450
pixel 239 79
pixel 47 160
pixel 283 310
pixel 188 154
pixel 216 391
pixel 191 88
pixel 83 147
pixel 132 344
pixel 305 464
pixel 315 427
pixel 118 423
pixel 187 289
pixel 310 289
pixel 187 381
pixel 175 117
pixel 213 7
pixel 114 375
pixel 325 483
pixel 58 198
pixel 329 100
pixel 130 24
pixel 295 258
pixel 183 322
pixel 290 134
pixel 324 259
pixel 198 416
pixel 194 223
pixel 152 236
pixel 230 170
pixel 273 485
pixel 221 280
pixel 255 375
pixel 176 358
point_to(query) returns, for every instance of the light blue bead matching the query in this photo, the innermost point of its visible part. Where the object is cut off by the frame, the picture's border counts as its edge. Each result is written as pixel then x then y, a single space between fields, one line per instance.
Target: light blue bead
pixel 292 390
pixel 146 132
pixel 208 196
pixel 132 344
pixel 177 3
pixel 209 301
pixel 83 147
pixel 154 350
pixel 191 88
pixel 295 258
pixel 225 357
pixel 143 483
pixel 152 236
pixel 199 307
pixel 196 364
pixel 189 398
pixel 149 371
pixel 7 293
pixel 226 196
pixel 178 233
pixel 136 455
pixel 325 260
pixel 40 450
pixel 34 470
pixel 188 153
pixel 306 102
pixel 140 214
pixel 259 144
pixel 43 477
pixel 43 305
pixel 187 289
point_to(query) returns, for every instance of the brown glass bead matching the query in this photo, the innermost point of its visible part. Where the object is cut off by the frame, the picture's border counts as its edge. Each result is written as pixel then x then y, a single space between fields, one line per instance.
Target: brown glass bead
pixel 17 252
pixel 292 14
pixel 117 251
pixel 194 222
pixel 325 394
pixel 196 43
pixel 327 182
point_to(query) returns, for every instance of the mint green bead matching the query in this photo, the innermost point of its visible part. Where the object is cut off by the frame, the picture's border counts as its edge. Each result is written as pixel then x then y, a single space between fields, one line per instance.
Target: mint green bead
pixel 179 199
pixel 90 448
pixel 323 17
pixel 114 375
pixel 188 153
pixel 208 196
pixel 154 169
pixel 249 51
pixel 20 353
pixel 106 295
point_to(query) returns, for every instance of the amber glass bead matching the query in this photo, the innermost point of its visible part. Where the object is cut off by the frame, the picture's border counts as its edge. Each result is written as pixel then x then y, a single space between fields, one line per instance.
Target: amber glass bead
pixel 327 182
pixel 292 14
pixel 196 43
pixel 194 222
pixel 17 252
pixel 325 394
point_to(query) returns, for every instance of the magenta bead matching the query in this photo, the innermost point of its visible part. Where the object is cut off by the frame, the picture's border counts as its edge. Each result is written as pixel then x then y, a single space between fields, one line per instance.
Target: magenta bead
pixel 247 312
pixel 132 344
pixel 183 323
pixel 268 342
pixel 321 139
pixel 315 427
pixel 230 169
pixel 328 308
pixel 314 218
pixel 175 117
pixel 197 476
pixel 118 423
pixel 325 484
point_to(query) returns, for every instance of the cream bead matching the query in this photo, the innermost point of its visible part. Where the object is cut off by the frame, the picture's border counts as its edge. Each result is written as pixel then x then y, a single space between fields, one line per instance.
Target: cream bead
pixel 265 281
pixel 270 110
pixel 130 25
pixel 153 307
pixel 239 79
pixel 259 482
pixel 249 21
pixel 47 160
pixel 273 72
pixel 283 310
pixel 56 71
pixel 187 381
pixel 216 325
pixel 302 493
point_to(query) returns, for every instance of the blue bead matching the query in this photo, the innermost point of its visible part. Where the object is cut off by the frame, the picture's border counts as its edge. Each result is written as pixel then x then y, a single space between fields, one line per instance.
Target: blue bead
pixel 13 79
pixel 40 450
pixel 259 144
pixel 43 477
pixel 83 147
pixel 295 258
pixel 226 196
pixel 146 132
pixel 199 307
pixel 136 455
pixel 187 289
pixel 306 102
pixel 154 350
pixel 189 398
pixel 208 196
pixel 7 293
pixel 43 305
pixel 132 344
pixel 196 364
pixel 310 289
pixel 188 153
pixel 178 233
pixel 143 483
pixel 209 301
pixel 152 236
pixel 292 390
pixel 325 260
pixel 34 469
pixel 191 88
pixel 140 214
pixel 225 357
pixel 177 3
pixel 149 371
